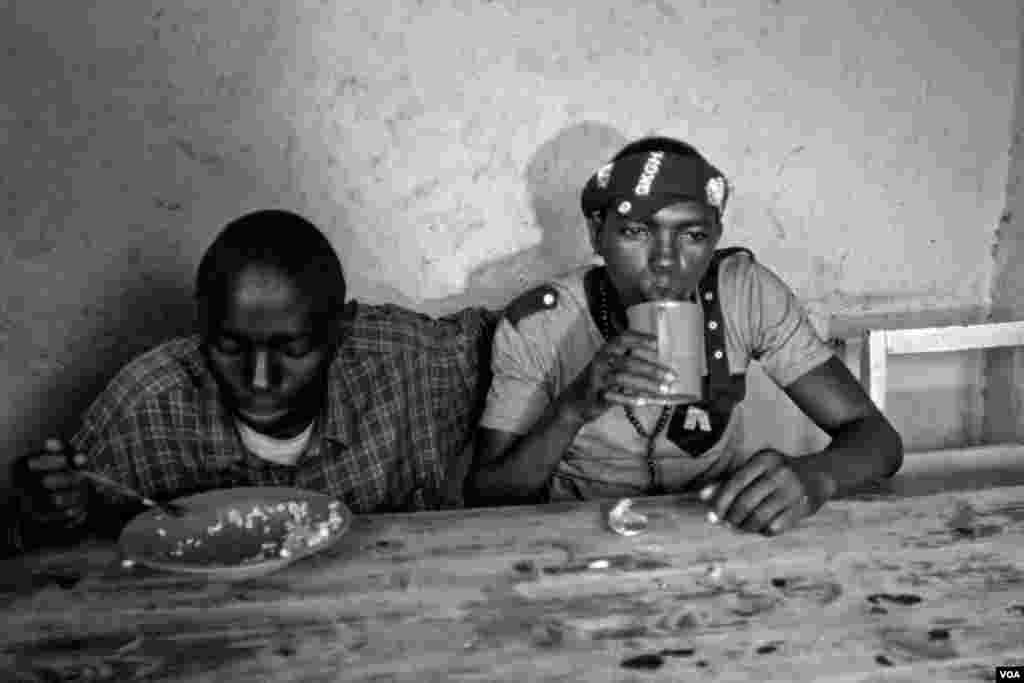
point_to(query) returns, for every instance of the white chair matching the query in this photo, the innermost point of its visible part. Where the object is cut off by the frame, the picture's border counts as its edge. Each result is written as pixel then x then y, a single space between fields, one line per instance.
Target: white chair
pixel 945 469
pixel 878 345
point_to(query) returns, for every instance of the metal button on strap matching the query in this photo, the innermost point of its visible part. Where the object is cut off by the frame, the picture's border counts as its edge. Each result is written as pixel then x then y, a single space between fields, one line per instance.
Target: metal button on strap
pixel 708 296
pixel 713 325
pixel 719 354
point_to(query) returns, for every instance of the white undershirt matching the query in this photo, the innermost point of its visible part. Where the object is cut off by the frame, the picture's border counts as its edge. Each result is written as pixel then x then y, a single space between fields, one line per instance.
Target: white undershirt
pixel 280 451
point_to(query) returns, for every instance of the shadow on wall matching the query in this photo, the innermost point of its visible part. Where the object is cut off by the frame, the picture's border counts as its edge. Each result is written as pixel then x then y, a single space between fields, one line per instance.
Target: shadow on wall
pixel 148 309
pixel 151 307
pixel 554 177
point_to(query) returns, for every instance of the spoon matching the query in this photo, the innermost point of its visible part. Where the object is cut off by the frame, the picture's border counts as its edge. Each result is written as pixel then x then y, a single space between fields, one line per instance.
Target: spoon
pixel 173 509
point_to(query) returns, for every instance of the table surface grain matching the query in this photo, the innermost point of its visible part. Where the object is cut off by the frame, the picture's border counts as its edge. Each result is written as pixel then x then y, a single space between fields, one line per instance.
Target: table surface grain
pixel 880 587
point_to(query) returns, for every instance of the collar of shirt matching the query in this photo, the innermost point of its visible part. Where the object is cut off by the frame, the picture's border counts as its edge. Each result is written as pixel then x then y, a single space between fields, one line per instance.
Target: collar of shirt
pixel 338 415
pixel 278 451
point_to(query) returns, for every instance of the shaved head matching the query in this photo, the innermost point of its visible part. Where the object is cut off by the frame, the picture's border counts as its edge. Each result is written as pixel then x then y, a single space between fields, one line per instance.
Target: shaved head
pixel 272 245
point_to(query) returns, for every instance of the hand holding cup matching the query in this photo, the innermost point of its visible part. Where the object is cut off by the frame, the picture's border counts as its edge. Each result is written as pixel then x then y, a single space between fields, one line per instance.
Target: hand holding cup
pixel 625 371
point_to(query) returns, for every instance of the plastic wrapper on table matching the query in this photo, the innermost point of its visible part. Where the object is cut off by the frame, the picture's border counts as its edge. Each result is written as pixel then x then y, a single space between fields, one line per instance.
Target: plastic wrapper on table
pixel 624 521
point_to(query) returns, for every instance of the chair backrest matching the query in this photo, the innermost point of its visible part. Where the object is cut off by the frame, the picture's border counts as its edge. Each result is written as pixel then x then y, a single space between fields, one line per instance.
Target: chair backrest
pixel 879 344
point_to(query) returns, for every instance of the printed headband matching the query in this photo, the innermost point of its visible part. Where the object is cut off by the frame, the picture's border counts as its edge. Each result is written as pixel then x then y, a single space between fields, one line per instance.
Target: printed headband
pixel 638 185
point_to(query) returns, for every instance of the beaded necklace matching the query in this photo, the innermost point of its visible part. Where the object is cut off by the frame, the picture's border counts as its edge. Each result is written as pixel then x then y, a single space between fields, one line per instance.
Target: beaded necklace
pixel 666 412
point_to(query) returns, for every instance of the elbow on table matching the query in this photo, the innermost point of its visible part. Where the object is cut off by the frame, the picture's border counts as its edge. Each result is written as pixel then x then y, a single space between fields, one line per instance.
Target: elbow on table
pixel 892 448
pixel 498 476
pixel 484 489
pixel 474 491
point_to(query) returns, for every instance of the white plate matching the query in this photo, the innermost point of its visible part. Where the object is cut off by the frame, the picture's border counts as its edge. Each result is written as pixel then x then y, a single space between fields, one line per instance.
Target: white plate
pixel 236 533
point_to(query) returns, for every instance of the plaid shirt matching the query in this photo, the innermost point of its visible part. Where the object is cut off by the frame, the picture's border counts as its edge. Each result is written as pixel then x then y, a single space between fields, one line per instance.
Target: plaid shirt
pixel 404 395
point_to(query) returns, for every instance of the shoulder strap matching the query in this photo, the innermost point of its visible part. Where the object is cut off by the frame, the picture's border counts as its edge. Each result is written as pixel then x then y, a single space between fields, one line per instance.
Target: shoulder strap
pixel 529 302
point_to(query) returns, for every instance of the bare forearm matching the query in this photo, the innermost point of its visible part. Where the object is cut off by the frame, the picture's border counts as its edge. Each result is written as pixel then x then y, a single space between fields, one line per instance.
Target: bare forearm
pixel 522 473
pixel 863 451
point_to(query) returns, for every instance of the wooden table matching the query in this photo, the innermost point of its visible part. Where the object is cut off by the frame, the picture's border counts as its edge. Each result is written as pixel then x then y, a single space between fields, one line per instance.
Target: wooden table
pixel 891 586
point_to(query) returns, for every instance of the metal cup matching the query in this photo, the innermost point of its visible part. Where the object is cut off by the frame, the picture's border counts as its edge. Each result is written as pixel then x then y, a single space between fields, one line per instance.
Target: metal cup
pixel 679 327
